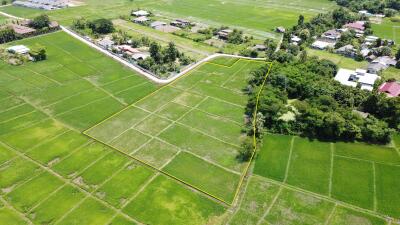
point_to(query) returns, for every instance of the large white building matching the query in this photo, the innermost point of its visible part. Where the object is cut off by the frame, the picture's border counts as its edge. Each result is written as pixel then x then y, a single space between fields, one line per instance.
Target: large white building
pixel 358 77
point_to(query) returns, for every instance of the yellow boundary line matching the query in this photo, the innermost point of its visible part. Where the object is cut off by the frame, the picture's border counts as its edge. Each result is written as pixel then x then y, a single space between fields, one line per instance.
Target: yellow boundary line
pixel 244 173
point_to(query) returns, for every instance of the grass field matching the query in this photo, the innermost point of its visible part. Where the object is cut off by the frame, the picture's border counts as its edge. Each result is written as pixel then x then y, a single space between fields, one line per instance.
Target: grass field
pixel 269 202
pixel 184 126
pixel 50 173
pixel 387 29
pixel 258 18
pixel 358 174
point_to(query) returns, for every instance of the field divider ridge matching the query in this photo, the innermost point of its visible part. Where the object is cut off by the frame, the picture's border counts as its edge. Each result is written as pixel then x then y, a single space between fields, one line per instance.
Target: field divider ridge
pixel 244 174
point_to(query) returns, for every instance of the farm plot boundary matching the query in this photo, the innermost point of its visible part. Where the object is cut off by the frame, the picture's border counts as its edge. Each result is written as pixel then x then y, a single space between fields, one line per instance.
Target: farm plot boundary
pixel 243 174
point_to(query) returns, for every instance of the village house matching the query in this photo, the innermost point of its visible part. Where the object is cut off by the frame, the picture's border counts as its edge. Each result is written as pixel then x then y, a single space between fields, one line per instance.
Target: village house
pixel 322 44
pixel 280 30
pixel 18 49
pixel 259 47
pixel 358 26
pixel 126 49
pixel 141 19
pixel 140 13
pixel 43 4
pixel 224 34
pixel 106 43
pixel 140 56
pixel 381 63
pixel 157 24
pixel 332 35
pixel 392 89
pixel 181 23
pixel 347 50
pixel 22 30
pixel 358 77
pixel 295 40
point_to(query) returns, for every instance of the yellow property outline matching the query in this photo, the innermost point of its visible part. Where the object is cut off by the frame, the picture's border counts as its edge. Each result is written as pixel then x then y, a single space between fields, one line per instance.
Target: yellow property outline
pixel 244 173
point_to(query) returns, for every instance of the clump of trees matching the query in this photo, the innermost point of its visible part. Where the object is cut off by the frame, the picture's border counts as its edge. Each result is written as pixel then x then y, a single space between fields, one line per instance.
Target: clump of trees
pixel 7 34
pixel 164 60
pixel 373 6
pixel 323 108
pixel 98 26
pixel 40 22
pixel 38 53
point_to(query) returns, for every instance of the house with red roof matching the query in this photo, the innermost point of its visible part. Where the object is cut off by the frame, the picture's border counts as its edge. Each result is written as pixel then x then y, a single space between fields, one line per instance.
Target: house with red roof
pixel 392 89
pixel 358 26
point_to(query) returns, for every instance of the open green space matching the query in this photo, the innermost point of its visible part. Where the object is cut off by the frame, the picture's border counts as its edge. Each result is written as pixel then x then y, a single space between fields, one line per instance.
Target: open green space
pixel 356 173
pixel 387 29
pixel 259 18
pixel 167 202
pixel 182 127
pixel 50 173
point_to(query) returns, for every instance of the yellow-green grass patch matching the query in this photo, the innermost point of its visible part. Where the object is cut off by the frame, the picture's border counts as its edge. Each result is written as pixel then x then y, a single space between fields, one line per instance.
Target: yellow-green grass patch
pixel 89 212
pixel 80 159
pixel 57 148
pixel 223 109
pixel 259 196
pixel 345 216
pixel 120 220
pixel 156 153
pixel 32 192
pixel 53 208
pixel 123 185
pixel 10 217
pixel 198 143
pixel 16 171
pixel 172 203
pixel 5 154
pixel 206 176
pixel 293 207
pixel 101 170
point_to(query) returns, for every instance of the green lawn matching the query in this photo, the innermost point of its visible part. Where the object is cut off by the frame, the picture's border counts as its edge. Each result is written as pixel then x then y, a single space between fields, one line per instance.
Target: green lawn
pixel 341 61
pixel 387 29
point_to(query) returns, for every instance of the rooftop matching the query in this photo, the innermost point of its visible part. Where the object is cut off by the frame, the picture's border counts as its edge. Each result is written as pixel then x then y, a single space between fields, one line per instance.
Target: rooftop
pixel 392 89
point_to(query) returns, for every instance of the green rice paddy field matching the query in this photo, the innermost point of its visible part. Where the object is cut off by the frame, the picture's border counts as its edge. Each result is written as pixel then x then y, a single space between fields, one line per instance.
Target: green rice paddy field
pixel 51 173
pixel 258 17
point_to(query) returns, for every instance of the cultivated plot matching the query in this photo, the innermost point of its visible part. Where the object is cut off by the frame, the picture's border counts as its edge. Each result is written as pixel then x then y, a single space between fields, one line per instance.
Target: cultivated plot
pixel 75 84
pixel 190 129
pixel 269 202
pixel 359 174
pixel 50 173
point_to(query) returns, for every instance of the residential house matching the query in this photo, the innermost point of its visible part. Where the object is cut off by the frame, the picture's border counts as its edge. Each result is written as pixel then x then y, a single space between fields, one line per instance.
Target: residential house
pixel 141 20
pixel 381 63
pixel 140 56
pixel 106 43
pixel 295 40
pixel 22 30
pixel 358 77
pixel 157 24
pixel 322 44
pixel 260 47
pixel 332 35
pixel 140 13
pixel 392 89
pixel 358 26
pixel 43 4
pixel 224 34
pixel 347 50
pixel 181 23
pixel 280 30
pixel 18 49
pixel 127 49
